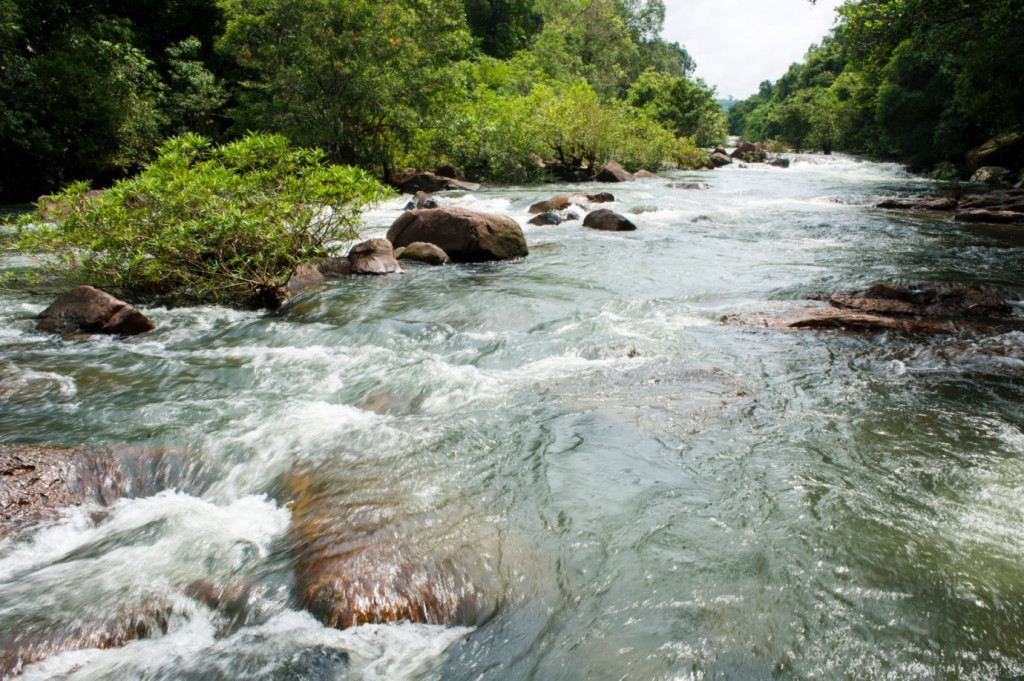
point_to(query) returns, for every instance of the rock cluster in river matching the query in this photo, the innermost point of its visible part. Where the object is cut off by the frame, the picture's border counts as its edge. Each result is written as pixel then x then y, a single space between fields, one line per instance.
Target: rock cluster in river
pixel 925 308
pixel 993 207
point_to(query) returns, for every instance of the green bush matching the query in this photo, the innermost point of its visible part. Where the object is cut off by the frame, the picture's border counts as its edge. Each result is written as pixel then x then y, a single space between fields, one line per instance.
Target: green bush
pixel 205 224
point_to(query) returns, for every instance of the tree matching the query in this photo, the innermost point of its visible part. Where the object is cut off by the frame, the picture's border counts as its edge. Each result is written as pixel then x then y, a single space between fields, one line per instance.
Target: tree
pixel 503 26
pixel 684 107
pixel 356 78
pixel 204 223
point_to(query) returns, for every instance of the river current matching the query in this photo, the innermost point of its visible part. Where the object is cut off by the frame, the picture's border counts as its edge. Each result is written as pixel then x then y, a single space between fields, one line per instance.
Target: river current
pixel 668 496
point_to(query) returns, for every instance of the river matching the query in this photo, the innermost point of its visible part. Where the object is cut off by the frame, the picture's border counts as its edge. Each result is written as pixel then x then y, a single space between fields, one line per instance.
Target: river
pixel 658 495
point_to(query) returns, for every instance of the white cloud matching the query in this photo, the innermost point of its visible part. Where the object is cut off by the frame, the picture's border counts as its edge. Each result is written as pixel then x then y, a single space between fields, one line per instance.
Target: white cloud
pixel 739 43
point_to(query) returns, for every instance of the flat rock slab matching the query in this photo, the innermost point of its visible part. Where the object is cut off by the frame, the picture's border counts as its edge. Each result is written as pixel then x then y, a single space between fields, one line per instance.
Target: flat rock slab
pixel 918 204
pixel 992 217
pixel 36 481
pixel 85 309
pixel 465 235
pixel 923 300
pixel 835 319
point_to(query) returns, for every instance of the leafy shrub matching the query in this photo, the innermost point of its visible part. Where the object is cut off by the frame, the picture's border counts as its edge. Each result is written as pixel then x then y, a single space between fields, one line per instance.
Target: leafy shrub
pixel 688 155
pixel 947 176
pixel 205 224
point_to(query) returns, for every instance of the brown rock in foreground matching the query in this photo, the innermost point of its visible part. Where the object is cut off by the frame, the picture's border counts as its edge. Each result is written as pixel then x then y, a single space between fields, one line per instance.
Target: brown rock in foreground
pixel 35 481
pixel 369 562
pixel 85 309
pixel 425 253
pixel 465 235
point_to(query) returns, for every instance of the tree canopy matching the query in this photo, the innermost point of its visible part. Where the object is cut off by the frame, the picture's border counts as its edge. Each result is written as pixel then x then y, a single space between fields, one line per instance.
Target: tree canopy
pixel 91 88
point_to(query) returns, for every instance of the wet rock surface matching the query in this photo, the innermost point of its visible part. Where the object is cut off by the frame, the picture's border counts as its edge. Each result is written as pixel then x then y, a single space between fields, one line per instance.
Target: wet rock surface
pixel 374 256
pixel 465 235
pixel 563 201
pixel 362 561
pixel 420 251
pixel 36 481
pixel 85 309
pixel 608 221
pixel 925 308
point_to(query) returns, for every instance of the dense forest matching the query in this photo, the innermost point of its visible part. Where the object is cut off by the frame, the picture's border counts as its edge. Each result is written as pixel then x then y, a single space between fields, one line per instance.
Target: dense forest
pixel 918 81
pixel 90 89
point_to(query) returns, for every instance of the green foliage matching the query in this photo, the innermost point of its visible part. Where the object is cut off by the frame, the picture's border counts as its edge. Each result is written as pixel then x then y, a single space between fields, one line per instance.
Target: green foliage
pixel 947 176
pixel 356 78
pixel 685 107
pixel 194 97
pixel 919 80
pixel 204 223
pixel 503 26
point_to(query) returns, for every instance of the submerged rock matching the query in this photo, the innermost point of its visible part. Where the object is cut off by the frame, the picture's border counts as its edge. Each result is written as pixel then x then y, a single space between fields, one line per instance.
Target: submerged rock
pixel 374 256
pixel 780 162
pixel 36 481
pixel 465 235
pixel 608 221
pixel 421 200
pixel 993 217
pixel 85 309
pixel 362 562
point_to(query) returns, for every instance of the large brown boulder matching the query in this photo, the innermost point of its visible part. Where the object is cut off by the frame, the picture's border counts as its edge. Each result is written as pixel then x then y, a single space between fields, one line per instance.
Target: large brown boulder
pixel 465 235
pixel 374 256
pixel 85 309
pixel 563 201
pixel 719 159
pixel 608 221
pixel 613 172
pixel 362 561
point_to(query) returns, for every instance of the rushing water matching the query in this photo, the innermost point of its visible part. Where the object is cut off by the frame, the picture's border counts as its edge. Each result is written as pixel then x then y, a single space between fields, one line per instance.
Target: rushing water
pixel 669 497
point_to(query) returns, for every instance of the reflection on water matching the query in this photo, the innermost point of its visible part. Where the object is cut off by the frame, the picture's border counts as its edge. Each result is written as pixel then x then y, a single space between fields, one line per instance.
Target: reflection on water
pixel 634 489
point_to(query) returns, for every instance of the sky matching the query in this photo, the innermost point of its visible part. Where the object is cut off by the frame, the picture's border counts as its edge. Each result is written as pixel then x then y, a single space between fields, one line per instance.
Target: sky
pixel 739 43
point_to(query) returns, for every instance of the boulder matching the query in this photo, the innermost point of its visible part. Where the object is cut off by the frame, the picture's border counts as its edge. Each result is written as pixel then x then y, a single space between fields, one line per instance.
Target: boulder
pixel 992 217
pixel 420 251
pixel 993 175
pixel 549 218
pixel 421 200
pixel 375 256
pixel 779 162
pixel 465 235
pixel 563 201
pixel 750 152
pixel 696 186
pixel 645 175
pixel 1005 150
pixel 372 562
pixel 719 159
pixel 85 309
pixel 918 204
pixel 429 183
pixel 613 172
pixel 608 221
